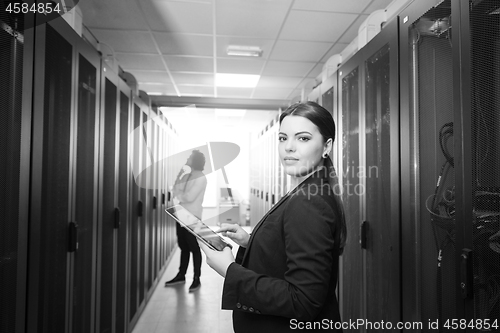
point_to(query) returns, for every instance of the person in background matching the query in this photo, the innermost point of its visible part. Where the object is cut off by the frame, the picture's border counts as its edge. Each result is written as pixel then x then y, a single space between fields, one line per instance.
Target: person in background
pixel 189 189
pixel 285 272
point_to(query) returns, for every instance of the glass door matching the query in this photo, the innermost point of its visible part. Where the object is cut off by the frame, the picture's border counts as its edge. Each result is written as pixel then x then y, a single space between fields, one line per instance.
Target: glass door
pixel 380 173
pixel 352 289
pixel 484 180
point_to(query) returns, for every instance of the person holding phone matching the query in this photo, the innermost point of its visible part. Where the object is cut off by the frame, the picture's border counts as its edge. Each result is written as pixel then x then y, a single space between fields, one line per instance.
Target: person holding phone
pixel 286 271
pixel 189 189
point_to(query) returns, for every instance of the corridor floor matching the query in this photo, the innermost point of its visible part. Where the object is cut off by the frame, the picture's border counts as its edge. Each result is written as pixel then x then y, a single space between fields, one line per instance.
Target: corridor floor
pixel 175 310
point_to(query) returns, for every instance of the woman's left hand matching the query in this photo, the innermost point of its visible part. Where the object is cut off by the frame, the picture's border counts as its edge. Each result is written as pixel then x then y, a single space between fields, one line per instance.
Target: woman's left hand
pixel 218 260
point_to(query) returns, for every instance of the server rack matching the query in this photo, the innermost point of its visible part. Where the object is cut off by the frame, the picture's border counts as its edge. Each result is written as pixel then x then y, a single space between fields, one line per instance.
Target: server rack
pixel 64 82
pixel 267 179
pixel 426 105
pixel 363 96
pixel 479 163
pixel 122 226
pixel 70 185
pixel 449 104
pixel 16 69
pixel 113 200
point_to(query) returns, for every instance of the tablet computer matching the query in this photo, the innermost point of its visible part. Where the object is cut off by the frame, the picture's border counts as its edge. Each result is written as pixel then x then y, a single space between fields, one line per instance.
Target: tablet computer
pixel 199 229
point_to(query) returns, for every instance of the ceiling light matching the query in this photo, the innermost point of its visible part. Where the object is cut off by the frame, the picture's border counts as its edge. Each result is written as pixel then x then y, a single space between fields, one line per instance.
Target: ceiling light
pixel 244 51
pixel 236 80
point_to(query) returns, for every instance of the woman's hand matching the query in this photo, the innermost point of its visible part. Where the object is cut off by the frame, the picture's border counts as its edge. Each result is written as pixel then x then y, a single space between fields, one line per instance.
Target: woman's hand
pixel 235 233
pixel 218 260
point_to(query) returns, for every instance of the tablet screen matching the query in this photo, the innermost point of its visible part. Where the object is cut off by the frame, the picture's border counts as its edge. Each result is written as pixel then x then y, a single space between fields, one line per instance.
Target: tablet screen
pixel 197 228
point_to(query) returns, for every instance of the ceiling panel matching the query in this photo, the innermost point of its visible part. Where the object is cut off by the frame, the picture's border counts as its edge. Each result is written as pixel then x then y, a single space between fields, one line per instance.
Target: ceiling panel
pixel 339 6
pixel 261 19
pixel 190 90
pixel 156 39
pixel 152 77
pixel 285 68
pixel 165 89
pixel 190 64
pixel 127 41
pixel 278 81
pixel 299 51
pixel 234 92
pixel 316 26
pixel 133 61
pixel 240 66
pixel 184 44
pixel 113 14
pixel 193 78
pixel 178 16
pixel 271 93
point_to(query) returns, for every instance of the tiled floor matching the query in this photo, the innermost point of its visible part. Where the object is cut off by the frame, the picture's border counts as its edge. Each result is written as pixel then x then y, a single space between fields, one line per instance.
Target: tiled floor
pixel 174 309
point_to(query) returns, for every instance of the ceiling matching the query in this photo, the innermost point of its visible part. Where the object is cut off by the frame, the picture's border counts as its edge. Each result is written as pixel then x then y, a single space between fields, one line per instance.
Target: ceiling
pixel 175 47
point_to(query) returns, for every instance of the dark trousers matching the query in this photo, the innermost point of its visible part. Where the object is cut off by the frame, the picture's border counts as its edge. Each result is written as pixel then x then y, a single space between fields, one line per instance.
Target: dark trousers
pixel 187 243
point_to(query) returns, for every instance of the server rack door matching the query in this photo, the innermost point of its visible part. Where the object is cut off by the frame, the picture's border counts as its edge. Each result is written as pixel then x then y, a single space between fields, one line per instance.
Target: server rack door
pixel 125 183
pixel 428 175
pixel 50 187
pixel 108 203
pixel 16 71
pixel 164 175
pixel 351 182
pixel 381 176
pixel 145 198
pixel 479 127
pixel 158 194
pixel 266 161
pixel 164 153
pixel 161 196
pixel 153 204
pixel 137 213
pixel 86 180
pixel 327 100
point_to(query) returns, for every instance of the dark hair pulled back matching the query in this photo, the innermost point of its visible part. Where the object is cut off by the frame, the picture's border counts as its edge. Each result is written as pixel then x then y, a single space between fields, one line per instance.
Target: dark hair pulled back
pixel 323 119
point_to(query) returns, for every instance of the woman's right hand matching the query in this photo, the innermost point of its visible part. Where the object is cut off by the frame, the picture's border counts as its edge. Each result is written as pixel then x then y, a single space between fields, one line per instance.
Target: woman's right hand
pixel 235 233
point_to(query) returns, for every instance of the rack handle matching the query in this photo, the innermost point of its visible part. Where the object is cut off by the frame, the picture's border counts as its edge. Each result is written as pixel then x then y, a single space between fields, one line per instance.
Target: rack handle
pixel 72 237
pixel 117 218
pixel 363 238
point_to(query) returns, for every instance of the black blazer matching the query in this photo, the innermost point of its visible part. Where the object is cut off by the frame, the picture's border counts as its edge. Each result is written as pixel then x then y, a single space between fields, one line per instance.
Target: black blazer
pixel 287 275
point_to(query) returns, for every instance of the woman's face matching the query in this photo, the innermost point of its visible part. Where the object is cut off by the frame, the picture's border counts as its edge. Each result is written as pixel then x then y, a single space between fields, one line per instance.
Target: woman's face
pixel 301 146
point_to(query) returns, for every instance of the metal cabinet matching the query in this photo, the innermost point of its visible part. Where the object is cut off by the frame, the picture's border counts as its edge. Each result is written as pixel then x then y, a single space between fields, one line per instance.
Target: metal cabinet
pixel 79 253
pixel 16 70
pixel 363 97
pixel 63 212
pixel 369 111
pixel 450 164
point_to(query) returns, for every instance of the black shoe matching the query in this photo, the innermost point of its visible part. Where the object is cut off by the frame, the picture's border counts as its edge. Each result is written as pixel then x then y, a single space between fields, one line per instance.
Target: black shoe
pixel 175 280
pixel 195 285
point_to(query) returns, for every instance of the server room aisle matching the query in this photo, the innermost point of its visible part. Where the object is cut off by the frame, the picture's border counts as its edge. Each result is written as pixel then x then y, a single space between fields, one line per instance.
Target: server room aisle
pixel 175 310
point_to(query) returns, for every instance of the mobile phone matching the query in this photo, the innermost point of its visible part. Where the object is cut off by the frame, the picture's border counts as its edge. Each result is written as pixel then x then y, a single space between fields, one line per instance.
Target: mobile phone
pixel 196 227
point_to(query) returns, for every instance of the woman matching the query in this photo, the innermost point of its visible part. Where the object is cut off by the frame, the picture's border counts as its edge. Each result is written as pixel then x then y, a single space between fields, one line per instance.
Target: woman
pixel 285 274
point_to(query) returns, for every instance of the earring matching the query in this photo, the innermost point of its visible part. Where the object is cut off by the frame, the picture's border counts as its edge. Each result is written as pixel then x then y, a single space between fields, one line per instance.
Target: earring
pixel 325 155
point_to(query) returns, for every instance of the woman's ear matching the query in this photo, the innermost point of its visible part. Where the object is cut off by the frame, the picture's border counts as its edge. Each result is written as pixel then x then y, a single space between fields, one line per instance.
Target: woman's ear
pixel 328 146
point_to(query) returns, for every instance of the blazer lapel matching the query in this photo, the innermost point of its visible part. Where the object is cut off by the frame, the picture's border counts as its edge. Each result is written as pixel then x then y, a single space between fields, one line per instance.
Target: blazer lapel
pixel 283 199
